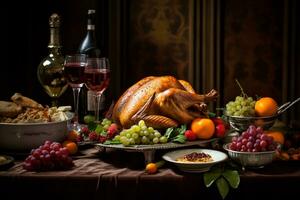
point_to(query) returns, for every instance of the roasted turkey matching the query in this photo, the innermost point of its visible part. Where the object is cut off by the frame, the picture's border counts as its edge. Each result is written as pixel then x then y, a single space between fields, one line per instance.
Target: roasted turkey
pixel 161 102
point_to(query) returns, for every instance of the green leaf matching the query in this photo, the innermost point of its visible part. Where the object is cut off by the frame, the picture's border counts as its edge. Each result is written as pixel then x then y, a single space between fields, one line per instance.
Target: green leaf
pixel 211 115
pixel 179 138
pixel 100 130
pixel 181 130
pixel 169 132
pixel 233 177
pixel 222 186
pixel 92 126
pixel 210 176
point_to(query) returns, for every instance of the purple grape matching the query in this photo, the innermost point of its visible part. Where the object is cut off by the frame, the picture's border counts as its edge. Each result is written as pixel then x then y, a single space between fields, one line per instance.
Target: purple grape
pixel 249 145
pixel 245 135
pixel 244 141
pixel 259 130
pixel 251 139
pixel 263 144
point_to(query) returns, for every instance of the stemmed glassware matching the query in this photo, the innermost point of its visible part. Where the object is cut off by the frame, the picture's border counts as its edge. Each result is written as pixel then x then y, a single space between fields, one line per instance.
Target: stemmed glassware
pixel 97 77
pixel 74 67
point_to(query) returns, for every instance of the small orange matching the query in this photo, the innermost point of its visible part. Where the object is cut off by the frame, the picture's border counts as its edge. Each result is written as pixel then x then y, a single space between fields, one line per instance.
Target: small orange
pixel 151 168
pixel 71 146
pixel 277 136
pixel 266 106
pixel 204 128
pixel 73 135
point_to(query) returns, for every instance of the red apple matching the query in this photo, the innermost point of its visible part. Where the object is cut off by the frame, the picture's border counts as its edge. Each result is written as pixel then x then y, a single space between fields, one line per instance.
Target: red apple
pixel 220 130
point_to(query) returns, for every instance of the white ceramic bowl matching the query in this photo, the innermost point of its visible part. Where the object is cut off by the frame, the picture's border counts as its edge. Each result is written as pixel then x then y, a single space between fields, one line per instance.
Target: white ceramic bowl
pixel 26 136
pixel 251 159
pixel 172 157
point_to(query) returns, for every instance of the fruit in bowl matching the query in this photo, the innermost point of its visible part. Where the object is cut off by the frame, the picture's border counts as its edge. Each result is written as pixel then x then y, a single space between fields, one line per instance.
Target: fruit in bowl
pixel 245 111
pixel 253 148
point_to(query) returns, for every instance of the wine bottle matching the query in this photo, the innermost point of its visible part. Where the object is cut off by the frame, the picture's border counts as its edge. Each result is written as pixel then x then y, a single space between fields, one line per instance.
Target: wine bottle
pixel 50 69
pixel 90 47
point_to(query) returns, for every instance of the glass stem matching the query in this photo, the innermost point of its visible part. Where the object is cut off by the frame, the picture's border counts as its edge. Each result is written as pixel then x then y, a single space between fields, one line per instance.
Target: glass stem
pixel 54 102
pixel 76 92
pixel 97 106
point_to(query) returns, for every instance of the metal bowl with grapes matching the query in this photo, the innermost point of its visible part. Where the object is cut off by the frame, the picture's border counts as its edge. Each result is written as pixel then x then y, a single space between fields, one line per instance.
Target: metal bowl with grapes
pixel 251 159
pixel 241 123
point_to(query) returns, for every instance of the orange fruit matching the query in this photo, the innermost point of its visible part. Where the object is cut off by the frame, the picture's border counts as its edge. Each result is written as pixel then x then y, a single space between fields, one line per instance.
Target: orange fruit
pixel 277 136
pixel 73 135
pixel 71 146
pixel 204 128
pixel 266 106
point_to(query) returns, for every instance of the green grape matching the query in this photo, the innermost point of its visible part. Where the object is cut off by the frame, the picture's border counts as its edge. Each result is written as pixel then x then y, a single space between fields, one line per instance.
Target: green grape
pixel 155 140
pixel 150 129
pixel 151 136
pixel 128 135
pixel 123 133
pixel 117 137
pixel 145 132
pixel 136 128
pixel 157 134
pixel 131 141
pixel 106 126
pixel 145 140
pixel 163 139
pixel 141 123
pixel 135 135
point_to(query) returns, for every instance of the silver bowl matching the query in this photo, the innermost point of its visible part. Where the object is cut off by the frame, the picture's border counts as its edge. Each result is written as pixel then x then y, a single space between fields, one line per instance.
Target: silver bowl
pixel 242 123
pixel 251 159
pixel 22 137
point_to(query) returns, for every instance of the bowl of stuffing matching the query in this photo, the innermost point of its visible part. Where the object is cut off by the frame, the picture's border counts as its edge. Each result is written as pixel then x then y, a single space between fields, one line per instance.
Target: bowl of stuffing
pixel 25 124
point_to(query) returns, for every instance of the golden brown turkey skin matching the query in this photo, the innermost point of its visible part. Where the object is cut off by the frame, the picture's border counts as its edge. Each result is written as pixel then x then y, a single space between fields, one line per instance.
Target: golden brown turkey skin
pixel 161 102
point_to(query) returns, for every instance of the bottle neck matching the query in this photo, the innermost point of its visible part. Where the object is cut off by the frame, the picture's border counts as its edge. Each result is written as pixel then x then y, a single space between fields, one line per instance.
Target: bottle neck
pixel 54 38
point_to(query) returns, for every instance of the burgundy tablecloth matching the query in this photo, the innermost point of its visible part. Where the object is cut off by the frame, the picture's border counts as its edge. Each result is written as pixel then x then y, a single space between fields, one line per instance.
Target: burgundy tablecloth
pixel 120 175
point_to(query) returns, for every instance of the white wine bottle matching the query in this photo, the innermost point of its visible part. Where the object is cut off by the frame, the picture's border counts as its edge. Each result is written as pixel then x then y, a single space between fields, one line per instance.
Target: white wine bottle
pixel 50 69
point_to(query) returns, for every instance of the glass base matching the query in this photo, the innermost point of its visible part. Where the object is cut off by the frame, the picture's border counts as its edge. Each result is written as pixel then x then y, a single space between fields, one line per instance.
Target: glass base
pixel 75 126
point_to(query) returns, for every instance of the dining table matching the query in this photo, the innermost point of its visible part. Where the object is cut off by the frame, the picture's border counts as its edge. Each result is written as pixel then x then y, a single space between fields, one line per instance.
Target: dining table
pixel 118 174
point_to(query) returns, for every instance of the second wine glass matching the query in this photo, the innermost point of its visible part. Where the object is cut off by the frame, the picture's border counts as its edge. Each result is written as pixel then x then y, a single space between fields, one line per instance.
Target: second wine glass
pixel 97 77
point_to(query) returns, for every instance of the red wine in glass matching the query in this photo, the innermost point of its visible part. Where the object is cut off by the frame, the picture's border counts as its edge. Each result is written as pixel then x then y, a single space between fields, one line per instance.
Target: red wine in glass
pixel 96 80
pixel 97 77
pixel 74 73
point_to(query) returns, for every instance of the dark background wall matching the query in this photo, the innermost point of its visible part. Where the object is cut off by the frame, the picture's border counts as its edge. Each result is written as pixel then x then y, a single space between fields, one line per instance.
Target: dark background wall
pixel 258 44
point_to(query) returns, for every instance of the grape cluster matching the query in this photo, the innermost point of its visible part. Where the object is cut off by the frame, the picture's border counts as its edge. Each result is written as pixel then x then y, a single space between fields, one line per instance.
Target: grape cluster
pixel 140 134
pixel 103 131
pixel 242 107
pixel 49 156
pixel 253 140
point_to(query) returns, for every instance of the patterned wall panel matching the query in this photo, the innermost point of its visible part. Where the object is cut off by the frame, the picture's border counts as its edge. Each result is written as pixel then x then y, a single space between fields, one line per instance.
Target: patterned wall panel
pixel 159 40
pixel 253 44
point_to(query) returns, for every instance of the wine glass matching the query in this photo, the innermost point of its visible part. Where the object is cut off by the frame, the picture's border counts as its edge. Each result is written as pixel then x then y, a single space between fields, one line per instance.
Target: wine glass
pixel 97 77
pixel 74 66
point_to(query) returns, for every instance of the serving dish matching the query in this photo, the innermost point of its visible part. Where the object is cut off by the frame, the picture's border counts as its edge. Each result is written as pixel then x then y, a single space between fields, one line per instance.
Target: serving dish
pixel 22 137
pixel 149 150
pixel 240 124
pixel 217 157
pixel 251 159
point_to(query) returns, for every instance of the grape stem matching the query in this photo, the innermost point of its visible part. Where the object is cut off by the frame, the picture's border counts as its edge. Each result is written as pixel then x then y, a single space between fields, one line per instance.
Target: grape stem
pixel 241 88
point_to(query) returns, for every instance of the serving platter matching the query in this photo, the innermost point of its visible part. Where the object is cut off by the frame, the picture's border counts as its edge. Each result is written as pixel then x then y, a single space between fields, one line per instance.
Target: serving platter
pixel 149 150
